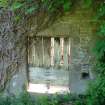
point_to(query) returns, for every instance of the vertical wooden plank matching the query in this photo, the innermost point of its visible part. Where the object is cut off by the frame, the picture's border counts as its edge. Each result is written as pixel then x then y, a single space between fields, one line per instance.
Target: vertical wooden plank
pixel 31 54
pixel 28 60
pixel 28 52
pixel 69 51
pixel 42 52
pixel 69 62
pixel 62 51
pixel 52 51
pixel 34 53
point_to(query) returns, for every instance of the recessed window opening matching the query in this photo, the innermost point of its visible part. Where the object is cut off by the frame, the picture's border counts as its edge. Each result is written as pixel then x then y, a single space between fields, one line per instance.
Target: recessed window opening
pixel 46 55
pixel 85 75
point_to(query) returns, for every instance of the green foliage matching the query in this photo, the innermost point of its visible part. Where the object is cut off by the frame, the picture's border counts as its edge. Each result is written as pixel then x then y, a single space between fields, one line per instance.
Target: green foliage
pixel 101 30
pixel 87 3
pixel 100 13
pixel 58 4
pixel 97 92
pixel 100 49
pixel 54 5
pixel 16 5
pixel 51 6
pixel 100 69
pixel 30 10
pixel 26 6
pixel 65 99
pixel 26 99
pixel 80 100
pixel 3 3
pixel 53 100
pixel 23 99
pixel 67 6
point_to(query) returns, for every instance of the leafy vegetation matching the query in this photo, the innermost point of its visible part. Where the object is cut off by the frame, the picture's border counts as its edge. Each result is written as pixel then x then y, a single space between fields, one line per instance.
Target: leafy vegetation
pixel 3 3
pixel 50 6
pixel 97 89
pixel 27 99
pixel 25 8
pixel 87 3
pixel 23 99
pixel 97 92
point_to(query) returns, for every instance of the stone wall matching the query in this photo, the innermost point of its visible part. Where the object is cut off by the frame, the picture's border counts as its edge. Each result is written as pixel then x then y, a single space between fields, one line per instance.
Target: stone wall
pixel 79 68
pixel 77 26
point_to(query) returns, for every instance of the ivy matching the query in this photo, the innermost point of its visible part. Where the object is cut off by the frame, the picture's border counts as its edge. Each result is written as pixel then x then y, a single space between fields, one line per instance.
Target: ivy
pixel 67 5
pixel 16 5
pixel 100 12
pixel 3 3
pixel 29 7
pixel 87 3
pixel 30 10
pixel 55 5
pixel 100 49
pixel 50 6
pixel 97 90
pixel 101 30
